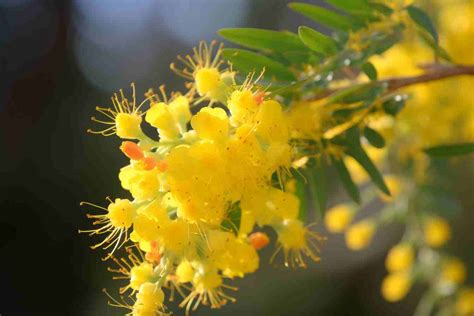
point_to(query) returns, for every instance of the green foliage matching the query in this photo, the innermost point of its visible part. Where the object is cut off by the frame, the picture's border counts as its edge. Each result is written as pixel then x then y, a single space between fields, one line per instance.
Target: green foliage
pixel 284 56
pixel 247 62
pixel 232 221
pixel 263 39
pixel 346 179
pixel 316 41
pixel 450 150
pixel 323 16
pixel 423 20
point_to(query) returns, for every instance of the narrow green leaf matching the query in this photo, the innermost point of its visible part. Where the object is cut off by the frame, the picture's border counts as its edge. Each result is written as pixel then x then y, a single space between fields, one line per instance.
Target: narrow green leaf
pixel 263 39
pixel 316 41
pixel 369 69
pixel 323 16
pixel 351 5
pixel 361 92
pixel 346 179
pixel 232 221
pixel 393 106
pixel 423 20
pixel 382 8
pixel 301 194
pixel 247 61
pixel 364 160
pixel 374 138
pixel 450 150
pixel 320 185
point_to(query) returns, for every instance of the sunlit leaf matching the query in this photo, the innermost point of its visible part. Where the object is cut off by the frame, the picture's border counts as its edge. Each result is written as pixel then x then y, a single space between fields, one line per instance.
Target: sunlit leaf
pixel 316 41
pixel 247 61
pixel 263 39
pixel 351 5
pixel 323 16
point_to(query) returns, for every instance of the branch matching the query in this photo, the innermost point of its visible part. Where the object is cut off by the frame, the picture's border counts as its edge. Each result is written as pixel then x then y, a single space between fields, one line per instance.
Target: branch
pixel 433 73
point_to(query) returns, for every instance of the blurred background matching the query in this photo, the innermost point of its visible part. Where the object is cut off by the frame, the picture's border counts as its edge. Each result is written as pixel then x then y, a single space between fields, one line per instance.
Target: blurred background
pixel 58 60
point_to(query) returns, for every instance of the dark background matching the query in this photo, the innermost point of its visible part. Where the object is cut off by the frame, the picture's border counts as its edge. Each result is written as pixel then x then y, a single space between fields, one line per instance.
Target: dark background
pixel 59 59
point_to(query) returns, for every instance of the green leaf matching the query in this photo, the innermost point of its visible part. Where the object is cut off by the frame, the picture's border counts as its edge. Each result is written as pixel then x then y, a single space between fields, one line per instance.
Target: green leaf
pixel 450 150
pixel 374 138
pixel 323 16
pixel 423 20
pixel 369 69
pixel 247 61
pixel 358 153
pixel 351 5
pixel 395 105
pixel 356 93
pixel 318 183
pixel 382 8
pixel 301 194
pixel 232 221
pixel 263 39
pixel 346 179
pixel 316 41
pixel 439 51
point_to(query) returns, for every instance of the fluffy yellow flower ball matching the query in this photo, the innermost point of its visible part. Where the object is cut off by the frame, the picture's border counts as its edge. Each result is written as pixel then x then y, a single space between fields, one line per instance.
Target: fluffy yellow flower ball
pixel 140 274
pixel 359 235
pixel 128 125
pixel 465 302
pixel 211 124
pixel 339 217
pixel 121 213
pixel 400 258
pixel 395 286
pixel 453 271
pixel 159 116
pixel 436 231
pixel 149 300
pixel 207 81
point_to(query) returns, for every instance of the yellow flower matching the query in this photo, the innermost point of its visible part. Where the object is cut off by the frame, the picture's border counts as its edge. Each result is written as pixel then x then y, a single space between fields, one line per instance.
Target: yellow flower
pixel 121 213
pixel 465 302
pixel 128 125
pixel 159 116
pixel 242 106
pixel 149 301
pixel 179 109
pixel 453 270
pixel 211 124
pixel 395 286
pixel 296 240
pixel 339 217
pixel 140 274
pixel 359 235
pixel 207 81
pixel 400 258
pixel 436 231
pixel 185 271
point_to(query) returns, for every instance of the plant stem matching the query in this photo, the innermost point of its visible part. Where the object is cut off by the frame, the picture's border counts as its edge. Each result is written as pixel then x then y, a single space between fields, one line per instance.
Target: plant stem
pixel 433 73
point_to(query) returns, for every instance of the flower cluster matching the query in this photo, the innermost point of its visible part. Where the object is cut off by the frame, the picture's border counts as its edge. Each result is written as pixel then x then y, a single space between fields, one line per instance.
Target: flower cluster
pixel 198 193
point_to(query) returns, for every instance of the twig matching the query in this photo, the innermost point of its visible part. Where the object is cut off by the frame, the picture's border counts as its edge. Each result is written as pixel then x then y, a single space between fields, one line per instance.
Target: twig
pixel 433 73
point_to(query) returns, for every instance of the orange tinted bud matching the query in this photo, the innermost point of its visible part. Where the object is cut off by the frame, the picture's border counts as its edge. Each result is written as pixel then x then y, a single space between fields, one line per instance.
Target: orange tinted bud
pixel 162 165
pixel 153 255
pixel 149 163
pixel 131 150
pixel 259 97
pixel 259 240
